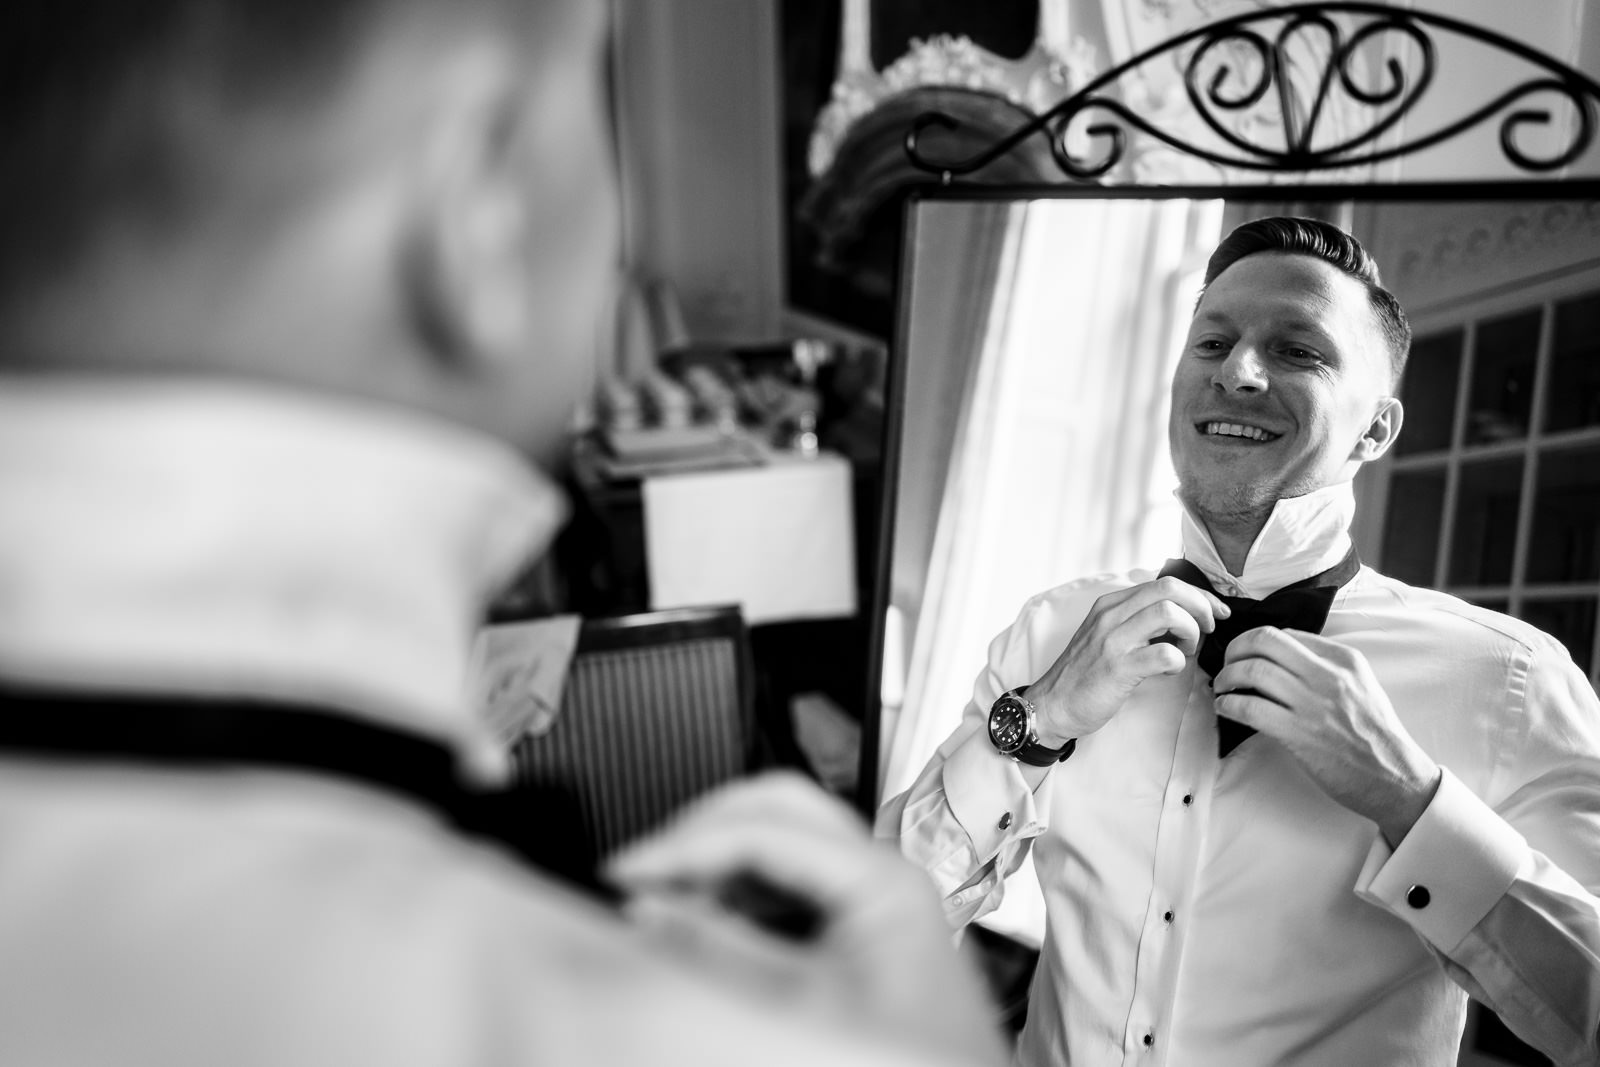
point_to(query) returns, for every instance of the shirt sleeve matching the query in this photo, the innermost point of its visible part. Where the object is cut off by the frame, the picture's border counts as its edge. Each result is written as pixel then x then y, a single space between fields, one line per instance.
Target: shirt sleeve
pixel 1506 894
pixel 970 816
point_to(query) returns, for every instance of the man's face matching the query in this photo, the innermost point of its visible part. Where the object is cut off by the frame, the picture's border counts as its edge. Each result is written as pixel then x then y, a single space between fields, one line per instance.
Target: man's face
pixel 1280 389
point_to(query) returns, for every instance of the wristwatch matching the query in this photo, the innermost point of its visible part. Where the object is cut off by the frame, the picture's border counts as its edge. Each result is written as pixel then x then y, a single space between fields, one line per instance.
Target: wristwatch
pixel 1014 732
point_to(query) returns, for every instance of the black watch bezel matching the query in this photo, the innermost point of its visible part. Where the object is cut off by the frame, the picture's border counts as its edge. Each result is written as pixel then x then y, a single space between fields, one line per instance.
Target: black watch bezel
pixel 1016 716
pixel 1011 724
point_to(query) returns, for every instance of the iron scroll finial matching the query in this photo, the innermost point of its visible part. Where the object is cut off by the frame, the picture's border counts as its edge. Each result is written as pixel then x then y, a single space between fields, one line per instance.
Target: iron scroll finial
pixel 1246 65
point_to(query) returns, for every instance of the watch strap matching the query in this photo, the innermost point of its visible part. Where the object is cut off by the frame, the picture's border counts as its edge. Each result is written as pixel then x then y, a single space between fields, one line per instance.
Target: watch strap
pixel 1037 755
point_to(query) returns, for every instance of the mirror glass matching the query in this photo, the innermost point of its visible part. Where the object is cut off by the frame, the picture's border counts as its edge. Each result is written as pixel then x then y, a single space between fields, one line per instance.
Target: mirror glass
pixel 1027 425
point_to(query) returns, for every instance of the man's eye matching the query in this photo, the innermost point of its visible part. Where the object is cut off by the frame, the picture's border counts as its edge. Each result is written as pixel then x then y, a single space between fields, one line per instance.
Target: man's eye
pixel 1300 355
pixel 1211 346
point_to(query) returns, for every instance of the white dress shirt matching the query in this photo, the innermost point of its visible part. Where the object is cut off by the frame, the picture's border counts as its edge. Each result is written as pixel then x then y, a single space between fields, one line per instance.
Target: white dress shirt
pixel 1207 911
pixel 262 544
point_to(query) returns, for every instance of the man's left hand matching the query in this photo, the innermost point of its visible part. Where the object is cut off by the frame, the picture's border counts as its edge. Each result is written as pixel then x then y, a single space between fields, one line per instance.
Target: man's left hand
pixel 1321 701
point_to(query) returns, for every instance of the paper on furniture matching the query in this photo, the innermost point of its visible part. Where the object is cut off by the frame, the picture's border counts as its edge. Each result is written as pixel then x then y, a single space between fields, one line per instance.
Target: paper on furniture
pixel 778 540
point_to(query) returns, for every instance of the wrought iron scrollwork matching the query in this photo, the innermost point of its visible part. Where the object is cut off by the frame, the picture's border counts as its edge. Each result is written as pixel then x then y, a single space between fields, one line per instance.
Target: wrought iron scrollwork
pixel 1234 66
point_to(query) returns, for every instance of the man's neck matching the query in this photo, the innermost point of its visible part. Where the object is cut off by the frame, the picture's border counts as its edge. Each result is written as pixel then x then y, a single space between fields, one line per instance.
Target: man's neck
pixel 1233 541
pixel 1255 555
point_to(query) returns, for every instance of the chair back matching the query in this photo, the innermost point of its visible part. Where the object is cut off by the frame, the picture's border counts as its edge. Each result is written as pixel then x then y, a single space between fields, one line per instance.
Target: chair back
pixel 658 708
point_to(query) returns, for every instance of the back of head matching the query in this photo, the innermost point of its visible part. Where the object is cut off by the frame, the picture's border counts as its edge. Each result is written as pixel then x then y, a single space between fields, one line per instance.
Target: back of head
pixel 1327 242
pixel 121 115
pixel 393 198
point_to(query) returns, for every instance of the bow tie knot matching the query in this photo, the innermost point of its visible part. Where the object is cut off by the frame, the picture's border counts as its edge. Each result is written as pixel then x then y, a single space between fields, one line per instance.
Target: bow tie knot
pixel 1303 605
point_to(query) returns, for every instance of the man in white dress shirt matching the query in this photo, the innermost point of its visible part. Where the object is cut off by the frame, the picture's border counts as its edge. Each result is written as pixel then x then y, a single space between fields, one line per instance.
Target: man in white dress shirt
pixel 282 283
pixel 1314 856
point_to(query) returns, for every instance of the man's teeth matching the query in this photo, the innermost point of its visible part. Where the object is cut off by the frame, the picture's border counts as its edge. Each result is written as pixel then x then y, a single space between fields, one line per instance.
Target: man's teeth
pixel 1234 429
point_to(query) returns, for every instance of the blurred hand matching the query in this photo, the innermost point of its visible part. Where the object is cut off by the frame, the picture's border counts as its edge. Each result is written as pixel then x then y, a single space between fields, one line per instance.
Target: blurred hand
pixel 1128 636
pixel 1321 701
pixel 881 955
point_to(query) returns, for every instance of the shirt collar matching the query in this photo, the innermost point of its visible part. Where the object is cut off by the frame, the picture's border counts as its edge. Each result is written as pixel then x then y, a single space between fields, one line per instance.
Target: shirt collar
pixel 232 540
pixel 1304 535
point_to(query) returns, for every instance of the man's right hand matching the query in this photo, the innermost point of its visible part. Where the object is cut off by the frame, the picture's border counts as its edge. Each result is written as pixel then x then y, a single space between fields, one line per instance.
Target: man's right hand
pixel 1128 636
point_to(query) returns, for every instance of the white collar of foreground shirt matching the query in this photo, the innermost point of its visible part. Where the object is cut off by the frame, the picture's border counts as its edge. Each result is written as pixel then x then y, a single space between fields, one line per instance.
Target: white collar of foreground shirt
pixel 250 540
pixel 1305 535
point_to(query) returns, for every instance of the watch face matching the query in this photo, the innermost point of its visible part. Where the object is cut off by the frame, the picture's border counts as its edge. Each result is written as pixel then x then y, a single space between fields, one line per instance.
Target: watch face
pixel 1008 725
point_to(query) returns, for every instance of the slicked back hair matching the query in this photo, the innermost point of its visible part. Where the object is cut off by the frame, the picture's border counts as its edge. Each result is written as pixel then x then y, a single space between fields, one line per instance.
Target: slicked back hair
pixel 1327 242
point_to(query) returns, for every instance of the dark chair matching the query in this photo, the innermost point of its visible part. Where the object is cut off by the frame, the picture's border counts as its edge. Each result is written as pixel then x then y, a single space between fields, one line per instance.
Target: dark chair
pixel 658 708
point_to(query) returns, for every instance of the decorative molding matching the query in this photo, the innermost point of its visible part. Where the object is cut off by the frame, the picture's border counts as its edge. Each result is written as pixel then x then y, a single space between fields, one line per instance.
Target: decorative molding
pixel 1055 67
pixel 870 168
pixel 1439 253
pixel 1546 229
pixel 1270 91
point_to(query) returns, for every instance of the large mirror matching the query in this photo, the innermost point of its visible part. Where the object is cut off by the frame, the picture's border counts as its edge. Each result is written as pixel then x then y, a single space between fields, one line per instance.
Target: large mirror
pixel 1039 328
pixel 1027 437
pixel 1027 440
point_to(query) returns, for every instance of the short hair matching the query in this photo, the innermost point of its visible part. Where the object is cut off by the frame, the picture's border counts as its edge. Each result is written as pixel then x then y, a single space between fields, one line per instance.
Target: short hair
pixel 121 110
pixel 1327 242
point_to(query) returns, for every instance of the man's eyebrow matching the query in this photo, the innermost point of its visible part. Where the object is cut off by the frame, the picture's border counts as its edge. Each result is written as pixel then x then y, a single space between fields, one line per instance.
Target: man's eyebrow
pixel 1308 326
pixel 1220 317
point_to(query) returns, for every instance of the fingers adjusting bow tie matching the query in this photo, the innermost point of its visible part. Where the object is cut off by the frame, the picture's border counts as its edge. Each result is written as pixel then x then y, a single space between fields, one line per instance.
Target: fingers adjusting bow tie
pixel 1301 606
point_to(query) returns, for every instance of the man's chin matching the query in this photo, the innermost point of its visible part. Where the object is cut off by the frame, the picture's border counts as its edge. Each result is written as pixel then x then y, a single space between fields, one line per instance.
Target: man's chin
pixel 1227 504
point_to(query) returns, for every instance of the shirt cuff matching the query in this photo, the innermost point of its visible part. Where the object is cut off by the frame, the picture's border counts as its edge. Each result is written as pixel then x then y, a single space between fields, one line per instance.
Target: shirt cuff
pixel 990 798
pixel 1451 868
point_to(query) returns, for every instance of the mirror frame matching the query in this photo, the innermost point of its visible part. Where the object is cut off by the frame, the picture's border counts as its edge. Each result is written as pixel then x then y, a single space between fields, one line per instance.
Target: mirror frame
pixel 1217 60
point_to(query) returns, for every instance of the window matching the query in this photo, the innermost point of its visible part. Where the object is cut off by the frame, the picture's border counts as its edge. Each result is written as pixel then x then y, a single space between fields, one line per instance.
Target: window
pixel 1493 492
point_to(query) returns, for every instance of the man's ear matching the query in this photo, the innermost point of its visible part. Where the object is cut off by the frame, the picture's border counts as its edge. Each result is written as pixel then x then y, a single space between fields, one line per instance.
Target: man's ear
pixel 465 251
pixel 1381 432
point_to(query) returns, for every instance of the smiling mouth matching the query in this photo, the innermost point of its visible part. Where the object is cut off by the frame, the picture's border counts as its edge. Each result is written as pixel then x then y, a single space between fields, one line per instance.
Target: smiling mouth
pixel 1237 430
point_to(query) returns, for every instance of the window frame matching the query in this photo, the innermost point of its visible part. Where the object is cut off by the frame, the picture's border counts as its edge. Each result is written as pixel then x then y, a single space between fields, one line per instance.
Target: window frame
pixel 1466 313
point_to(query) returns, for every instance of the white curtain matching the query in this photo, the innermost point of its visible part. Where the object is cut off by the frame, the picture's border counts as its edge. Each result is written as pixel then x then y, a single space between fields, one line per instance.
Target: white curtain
pixel 1060 467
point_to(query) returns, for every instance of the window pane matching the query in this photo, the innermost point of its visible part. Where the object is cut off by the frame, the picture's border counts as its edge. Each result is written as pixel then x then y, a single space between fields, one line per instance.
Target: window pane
pixel 1485 531
pixel 1566 517
pixel 1569 621
pixel 1502 377
pixel 1411 536
pixel 1428 392
pixel 1574 394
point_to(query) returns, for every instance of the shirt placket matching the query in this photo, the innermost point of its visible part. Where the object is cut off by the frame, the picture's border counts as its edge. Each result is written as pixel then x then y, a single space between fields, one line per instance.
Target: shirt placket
pixel 1184 808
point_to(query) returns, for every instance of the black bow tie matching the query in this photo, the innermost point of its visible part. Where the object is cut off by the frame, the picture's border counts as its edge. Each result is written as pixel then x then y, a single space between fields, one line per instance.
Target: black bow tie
pixel 1301 606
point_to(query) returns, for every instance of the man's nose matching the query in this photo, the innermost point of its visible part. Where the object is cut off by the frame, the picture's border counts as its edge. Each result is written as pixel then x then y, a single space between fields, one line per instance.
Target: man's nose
pixel 1243 371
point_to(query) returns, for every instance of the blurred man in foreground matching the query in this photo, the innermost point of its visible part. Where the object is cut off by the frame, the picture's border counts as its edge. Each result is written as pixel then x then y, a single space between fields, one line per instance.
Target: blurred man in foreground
pixel 279 281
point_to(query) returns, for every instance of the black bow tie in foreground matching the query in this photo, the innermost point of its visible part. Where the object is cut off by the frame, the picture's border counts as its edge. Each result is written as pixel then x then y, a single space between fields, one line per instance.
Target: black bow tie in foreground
pixel 1301 606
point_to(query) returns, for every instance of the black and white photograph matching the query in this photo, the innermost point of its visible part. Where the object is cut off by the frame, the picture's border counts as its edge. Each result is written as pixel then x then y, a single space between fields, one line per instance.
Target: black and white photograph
pixel 595 533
